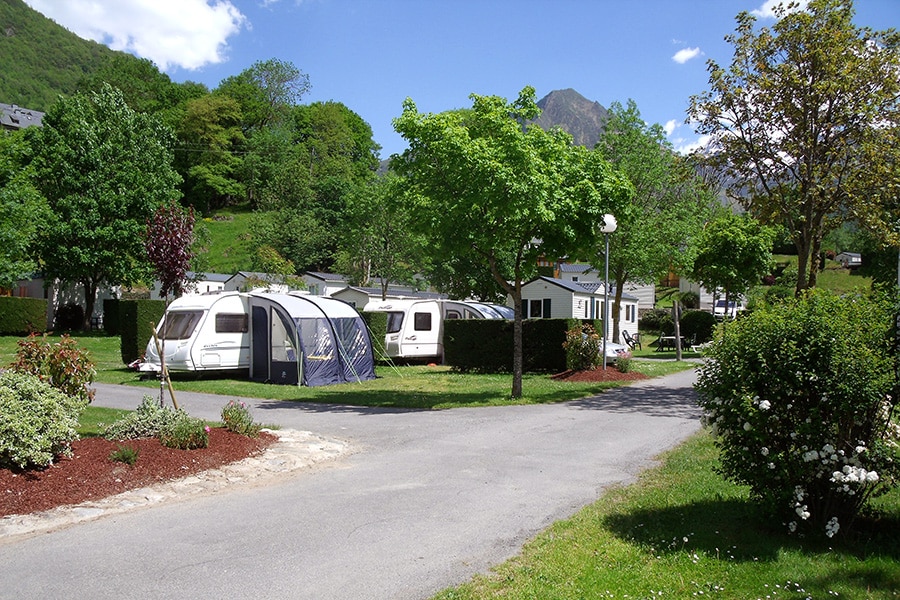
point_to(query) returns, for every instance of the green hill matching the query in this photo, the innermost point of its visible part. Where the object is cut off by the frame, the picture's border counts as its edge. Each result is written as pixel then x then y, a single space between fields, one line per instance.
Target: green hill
pixel 41 59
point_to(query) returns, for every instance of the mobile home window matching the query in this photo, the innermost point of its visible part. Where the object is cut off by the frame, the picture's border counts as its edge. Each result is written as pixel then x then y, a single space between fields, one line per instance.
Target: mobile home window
pixel 394 321
pixel 231 323
pixel 180 325
pixel 422 321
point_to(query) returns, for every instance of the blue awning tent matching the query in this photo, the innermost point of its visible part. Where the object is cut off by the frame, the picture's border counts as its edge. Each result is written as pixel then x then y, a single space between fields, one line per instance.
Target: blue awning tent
pixel 308 340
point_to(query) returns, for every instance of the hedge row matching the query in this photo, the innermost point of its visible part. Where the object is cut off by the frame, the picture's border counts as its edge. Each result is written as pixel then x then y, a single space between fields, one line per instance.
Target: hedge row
pixel 21 316
pixel 377 324
pixel 136 320
pixel 486 345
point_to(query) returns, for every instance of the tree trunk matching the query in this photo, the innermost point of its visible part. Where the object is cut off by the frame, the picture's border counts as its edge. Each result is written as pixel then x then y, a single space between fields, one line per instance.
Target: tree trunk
pixel 802 266
pixel 517 344
pixel 814 262
pixel 90 298
pixel 676 316
pixel 617 312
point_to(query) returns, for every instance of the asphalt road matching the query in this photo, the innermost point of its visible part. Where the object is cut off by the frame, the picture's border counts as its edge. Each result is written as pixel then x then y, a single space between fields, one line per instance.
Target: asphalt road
pixel 427 499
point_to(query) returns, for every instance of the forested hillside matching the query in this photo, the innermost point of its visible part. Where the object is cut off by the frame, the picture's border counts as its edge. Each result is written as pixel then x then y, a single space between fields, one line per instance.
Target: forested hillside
pixel 41 59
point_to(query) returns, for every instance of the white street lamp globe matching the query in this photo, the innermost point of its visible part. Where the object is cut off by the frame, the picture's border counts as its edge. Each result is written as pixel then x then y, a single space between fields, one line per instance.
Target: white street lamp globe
pixel 609 224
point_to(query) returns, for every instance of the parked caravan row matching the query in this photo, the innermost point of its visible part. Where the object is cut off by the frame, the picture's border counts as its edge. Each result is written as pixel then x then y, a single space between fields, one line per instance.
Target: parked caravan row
pixel 415 328
pixel 279 338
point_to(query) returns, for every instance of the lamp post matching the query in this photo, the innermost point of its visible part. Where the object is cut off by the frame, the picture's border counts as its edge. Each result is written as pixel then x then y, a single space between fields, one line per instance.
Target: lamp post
pixel 608 226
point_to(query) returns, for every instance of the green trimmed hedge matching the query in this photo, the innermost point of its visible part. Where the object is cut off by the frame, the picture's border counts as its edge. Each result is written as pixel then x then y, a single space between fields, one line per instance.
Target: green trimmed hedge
pixel 21 316
pixel 111 316
pixel 136 320
pixel 377 324
pixel 486 345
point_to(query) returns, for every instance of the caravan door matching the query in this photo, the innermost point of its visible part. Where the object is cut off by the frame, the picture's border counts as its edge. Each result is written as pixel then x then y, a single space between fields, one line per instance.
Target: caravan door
pixel 421 332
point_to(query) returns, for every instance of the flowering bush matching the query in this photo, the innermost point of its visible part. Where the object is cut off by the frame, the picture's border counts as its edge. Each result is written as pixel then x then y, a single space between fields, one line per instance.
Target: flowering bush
pixel 237 419
pixel 582 348
pixel 799 398
pixel 623 362
pixel 63 365
pixel 37 422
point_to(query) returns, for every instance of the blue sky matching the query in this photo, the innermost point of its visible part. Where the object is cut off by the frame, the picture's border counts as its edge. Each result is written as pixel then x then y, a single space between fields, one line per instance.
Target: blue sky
pixel 372 54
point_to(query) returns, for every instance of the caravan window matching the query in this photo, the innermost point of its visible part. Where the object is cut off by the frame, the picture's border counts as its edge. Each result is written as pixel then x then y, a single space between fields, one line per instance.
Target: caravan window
pixel 422 321
pixel 394 321
pixel 231 323
pixel 181 324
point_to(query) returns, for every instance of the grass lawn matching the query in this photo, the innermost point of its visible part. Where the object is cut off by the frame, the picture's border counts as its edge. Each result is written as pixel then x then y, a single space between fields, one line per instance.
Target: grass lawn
pixel 419 387
pixel 684 532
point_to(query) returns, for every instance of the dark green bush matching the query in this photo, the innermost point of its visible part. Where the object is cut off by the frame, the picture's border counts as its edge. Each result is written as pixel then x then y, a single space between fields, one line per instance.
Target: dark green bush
pixel 111 316
pixel 377 324
pixel 137 318
pixel 69 317
pixel 697 325
pixel 800 397
pixel 690 300
pixel 184 432
pixel 21 316
pixel 658 320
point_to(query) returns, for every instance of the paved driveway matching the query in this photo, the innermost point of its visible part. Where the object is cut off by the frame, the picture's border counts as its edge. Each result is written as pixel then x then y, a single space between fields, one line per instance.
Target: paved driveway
pixel 428 499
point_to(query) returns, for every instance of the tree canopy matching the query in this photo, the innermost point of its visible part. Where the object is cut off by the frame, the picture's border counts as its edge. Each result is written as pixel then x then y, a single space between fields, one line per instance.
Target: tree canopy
pixel 670 202
pixel 804 122
pixel 103 169
pixel 499 194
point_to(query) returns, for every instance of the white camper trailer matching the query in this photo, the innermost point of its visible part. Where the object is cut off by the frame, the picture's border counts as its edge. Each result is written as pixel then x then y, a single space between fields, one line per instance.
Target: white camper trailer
pixel 203 333
pixel 415 328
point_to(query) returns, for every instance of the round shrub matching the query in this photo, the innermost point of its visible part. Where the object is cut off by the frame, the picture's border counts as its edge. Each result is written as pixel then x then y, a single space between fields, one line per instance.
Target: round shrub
pixel 698 325
pixel 582 348
pixel 146 421
pixel 37 421
pixel 659 320
pixel 798 397
pixel 690 300
pixel 184 432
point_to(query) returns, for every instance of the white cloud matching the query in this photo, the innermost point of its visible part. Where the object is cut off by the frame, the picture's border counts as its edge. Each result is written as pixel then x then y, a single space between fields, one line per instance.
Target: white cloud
pixel 767 10
pixel 670 126
pixel 686 54
pixel 685 146
pixel 172 33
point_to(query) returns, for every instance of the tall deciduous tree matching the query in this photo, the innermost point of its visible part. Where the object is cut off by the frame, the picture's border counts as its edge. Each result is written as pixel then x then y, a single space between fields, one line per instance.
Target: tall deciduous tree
pixel 670 202
pixel 732 254
pixel 266 91
pixel 378 239
pixel 803 120
pixel 21 210
pixel 501 194
pixel 103 169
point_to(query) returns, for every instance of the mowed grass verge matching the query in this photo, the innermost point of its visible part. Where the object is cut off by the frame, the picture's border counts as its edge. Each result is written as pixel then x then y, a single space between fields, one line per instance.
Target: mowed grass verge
pixel 682 531
pixel 416 387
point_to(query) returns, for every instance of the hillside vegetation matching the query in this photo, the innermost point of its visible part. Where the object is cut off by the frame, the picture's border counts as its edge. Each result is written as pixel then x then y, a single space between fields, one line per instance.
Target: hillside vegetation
pixel 42 60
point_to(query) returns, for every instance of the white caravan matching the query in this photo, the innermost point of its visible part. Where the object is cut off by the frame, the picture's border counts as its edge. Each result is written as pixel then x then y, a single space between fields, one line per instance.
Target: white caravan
pixel 415 328
pixel 210 332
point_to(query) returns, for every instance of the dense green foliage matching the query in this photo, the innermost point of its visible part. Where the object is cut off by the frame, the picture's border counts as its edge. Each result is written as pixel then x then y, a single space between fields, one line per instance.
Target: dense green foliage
pixel 21 210
pixel 37 421
pixel 801 398
pixel 697 325
pixel 42 60
pixel 582 346
pixel 498 194
pixel 376 322
pixel 804 123
pixel 137 319
pixel 22 315
pixel 103 169
pixel 669 205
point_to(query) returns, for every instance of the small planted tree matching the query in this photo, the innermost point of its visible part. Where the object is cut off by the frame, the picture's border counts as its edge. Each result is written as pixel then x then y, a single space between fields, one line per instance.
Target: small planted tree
pixel 168 240
pixel 800 398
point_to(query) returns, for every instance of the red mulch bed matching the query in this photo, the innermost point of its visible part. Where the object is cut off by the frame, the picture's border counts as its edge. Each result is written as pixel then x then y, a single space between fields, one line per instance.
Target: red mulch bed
pixel 91 475
pixel 598 375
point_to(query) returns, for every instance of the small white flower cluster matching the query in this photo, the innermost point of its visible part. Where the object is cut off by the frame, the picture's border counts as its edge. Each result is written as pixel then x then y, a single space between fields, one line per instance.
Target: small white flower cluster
pixel 832 526
pixel 801 509
pixel 850 474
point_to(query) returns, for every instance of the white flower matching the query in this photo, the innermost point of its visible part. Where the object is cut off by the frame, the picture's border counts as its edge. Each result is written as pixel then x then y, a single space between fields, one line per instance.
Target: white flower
pixel 747 426
pixel 764 451
pixel 765 405
pixel 832 527
pixel 860 449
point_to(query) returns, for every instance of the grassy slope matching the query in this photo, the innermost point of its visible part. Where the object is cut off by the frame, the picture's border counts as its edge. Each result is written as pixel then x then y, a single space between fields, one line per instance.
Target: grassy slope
pixel 229 237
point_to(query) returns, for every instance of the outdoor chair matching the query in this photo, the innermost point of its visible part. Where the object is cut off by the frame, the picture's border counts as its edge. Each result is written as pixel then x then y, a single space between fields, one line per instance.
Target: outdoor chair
pixel 633 341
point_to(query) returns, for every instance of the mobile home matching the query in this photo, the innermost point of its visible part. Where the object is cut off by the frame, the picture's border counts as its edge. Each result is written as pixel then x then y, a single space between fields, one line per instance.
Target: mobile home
pixel 415 328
